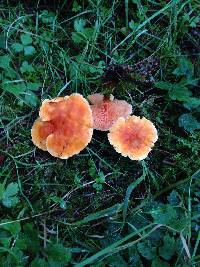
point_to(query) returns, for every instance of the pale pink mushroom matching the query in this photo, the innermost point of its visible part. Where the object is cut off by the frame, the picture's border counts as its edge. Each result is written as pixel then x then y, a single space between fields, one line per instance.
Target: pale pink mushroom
pixel 106 110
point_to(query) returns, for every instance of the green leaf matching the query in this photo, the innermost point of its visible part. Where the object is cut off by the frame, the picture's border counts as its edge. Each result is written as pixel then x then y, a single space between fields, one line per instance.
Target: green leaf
pixel 164 85
pixel 47 16
pixel 2 189
pixel 26 68
pixel 10 202
pixel 58 255
pixel 92 69
pixel 14 228
pixel 55 199
pixel 88 33
pixel 101 178
pixel 168 248
pixel 79 25
pixel 192 81
pixel 180 93
pixel 10 73
pixel 97 186
pixel 31 237
pixel 39 263
pixel 29 50
pixel 147 250
pixel 16 258
pixel 159 263
pixel 92 169
pixel 33 86
pixel 180 224
pixel 186 17
pixel 21 243
pixel 73 69
pixel 14 88
pixel 176 91
pixel 11 190
pixel 115 260
pixel 134 257
pixel 5 241
pixel 31 98
pixel 8 195
pixel 17 47
pixel 185 68
pixel 137 220
pixel 82 37
pixel 188 122
pixel 5 61
pixel 164 214
pixel 76 7
pixel 173 198
pixel 192 103
pixel 132 25
pixel 26 39
pixel 44 45
pixel 194 21
pixel 77 37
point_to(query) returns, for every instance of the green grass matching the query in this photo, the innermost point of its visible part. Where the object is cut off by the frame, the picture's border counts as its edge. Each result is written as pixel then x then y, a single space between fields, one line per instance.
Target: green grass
pixel 99 208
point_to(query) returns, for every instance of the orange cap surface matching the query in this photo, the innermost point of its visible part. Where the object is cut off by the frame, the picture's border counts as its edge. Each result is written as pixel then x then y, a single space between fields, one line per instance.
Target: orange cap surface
pixel 40 131
pixel 133 137
pixel 105 111
pixel 65 126
pixel 49 106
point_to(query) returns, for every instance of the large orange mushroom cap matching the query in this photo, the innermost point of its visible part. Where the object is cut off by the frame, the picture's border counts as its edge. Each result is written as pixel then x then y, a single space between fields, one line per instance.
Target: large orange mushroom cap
pixel 133 137
pixel 106 111
pixel 65 126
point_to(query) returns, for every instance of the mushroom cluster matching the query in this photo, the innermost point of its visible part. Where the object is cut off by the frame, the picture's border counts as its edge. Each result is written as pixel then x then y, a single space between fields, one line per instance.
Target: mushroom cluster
pixel 65 126
pixel 130 136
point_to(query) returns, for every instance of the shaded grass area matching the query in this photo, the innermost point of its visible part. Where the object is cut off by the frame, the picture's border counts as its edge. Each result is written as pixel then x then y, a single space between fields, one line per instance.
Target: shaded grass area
pixel 98 207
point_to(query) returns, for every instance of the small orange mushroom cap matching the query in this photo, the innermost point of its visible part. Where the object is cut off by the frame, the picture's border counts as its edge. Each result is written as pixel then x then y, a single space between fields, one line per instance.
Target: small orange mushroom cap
pixel 106 110
pixel 133 137
pixel 65 126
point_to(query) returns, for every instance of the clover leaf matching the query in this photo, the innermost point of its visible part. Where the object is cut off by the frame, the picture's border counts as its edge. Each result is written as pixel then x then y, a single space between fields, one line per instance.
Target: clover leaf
pixel 8 195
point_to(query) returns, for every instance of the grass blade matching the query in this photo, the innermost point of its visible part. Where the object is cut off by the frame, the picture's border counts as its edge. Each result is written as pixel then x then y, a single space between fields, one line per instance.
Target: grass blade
pixel 128 194
pixel 100 214
pixel 109 249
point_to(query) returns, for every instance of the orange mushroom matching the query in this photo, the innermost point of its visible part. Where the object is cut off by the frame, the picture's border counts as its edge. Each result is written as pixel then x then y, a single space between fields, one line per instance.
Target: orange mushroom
pixel 65 126
pixel 133 137
pixel 49 107
pixel 40 131
pixel 106 110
